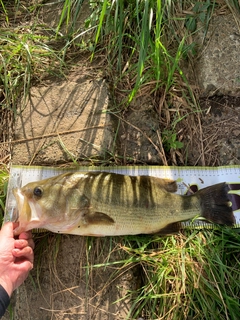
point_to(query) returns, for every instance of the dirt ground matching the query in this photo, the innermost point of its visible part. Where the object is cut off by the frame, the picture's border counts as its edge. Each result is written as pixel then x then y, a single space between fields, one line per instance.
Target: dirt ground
pixel 73 276
pixel 220 132
pixel 211 140
pixel 65 284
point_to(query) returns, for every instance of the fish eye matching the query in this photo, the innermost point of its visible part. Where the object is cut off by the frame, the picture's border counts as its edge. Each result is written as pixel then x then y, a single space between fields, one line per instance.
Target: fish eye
pixel 38 192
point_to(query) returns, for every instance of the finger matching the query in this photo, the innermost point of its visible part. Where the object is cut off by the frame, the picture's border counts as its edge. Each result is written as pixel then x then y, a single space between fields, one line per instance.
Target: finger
pixel 24 266
pixel 21 243
pixel 25 235
pixel 15 225
pixel 15 228
pixel 18 229
pixel 31 243
pixel 26 253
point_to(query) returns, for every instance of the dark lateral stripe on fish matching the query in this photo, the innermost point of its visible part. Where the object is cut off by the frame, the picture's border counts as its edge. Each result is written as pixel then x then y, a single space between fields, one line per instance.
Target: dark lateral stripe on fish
pixel 167 184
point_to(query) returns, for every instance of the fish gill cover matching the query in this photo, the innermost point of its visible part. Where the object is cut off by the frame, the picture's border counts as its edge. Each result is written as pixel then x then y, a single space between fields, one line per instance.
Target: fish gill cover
pixel 189 180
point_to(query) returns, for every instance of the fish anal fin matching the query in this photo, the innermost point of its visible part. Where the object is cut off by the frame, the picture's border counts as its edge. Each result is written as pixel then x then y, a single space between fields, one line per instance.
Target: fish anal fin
pixel 170 228
pixel 98 218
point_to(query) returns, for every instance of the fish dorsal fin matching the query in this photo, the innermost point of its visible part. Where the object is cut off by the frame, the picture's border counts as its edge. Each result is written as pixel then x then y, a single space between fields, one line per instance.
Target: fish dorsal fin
pixel 170 185
pixel 166 184
pixel 98 218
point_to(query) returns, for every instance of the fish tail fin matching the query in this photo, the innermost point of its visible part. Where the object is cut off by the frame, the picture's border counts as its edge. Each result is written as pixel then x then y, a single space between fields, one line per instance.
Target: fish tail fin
pixel 215 204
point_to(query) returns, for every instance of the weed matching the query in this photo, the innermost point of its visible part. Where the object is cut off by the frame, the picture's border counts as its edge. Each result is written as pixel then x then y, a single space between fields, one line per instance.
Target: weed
pixel 22 54
pixel 185 276
pixel 170 141
pixel 145 42
pixel 234 7
pixel 202 11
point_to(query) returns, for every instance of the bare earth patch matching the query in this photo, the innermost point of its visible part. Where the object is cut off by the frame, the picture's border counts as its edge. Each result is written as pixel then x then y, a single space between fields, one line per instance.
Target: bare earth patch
pixel 71 120
pixel 220 131
pixel 72 280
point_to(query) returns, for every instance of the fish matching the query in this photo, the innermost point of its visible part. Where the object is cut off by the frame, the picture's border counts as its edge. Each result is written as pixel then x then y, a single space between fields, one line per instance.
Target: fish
pixel 111 204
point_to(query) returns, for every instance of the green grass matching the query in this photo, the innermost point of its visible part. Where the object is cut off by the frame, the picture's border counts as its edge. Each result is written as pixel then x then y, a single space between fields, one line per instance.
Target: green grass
pixel 144 44
pixel 140 35
pixel 25 58
pixel 191 275
pixel 194 275
pixel 147 43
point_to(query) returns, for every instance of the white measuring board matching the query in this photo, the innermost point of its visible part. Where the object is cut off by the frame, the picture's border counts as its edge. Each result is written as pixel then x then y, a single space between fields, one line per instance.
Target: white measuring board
pixel 194 178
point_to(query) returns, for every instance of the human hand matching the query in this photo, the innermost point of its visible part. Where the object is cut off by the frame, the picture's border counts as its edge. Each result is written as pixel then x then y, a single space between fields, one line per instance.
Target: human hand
pixel 16 257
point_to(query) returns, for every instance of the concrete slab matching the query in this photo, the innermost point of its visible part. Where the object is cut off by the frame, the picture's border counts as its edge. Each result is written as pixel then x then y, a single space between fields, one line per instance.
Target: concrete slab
pixel 218 66
pixel 62 122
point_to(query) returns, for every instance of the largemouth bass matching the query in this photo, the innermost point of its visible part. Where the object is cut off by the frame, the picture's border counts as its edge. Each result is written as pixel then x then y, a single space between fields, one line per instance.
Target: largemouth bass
pixel 104 204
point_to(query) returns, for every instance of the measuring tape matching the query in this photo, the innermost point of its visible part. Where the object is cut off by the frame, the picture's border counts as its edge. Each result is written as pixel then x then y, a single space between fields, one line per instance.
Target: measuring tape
pixel 189 179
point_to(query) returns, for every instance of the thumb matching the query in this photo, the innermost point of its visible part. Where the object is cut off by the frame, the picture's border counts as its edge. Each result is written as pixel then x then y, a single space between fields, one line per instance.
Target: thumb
pixel 7 230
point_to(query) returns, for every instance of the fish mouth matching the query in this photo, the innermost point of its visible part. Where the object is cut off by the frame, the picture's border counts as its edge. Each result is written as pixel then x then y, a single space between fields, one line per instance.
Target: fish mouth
pixel 23 210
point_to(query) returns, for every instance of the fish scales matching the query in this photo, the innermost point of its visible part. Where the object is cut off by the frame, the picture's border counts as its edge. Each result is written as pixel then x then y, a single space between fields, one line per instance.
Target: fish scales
pixel 132 202
pixel 102 204
pixel 135 198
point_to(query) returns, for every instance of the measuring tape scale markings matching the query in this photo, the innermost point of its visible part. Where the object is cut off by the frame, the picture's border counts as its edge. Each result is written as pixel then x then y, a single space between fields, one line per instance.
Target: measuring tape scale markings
pixel 189 180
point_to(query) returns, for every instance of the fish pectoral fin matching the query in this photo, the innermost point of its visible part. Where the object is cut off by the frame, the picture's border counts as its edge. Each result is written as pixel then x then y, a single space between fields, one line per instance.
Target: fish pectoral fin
pixel 98 218
pixel 170 228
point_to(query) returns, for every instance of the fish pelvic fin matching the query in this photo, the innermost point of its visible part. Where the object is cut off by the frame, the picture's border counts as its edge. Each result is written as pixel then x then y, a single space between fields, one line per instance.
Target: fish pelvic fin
pixel 215 204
